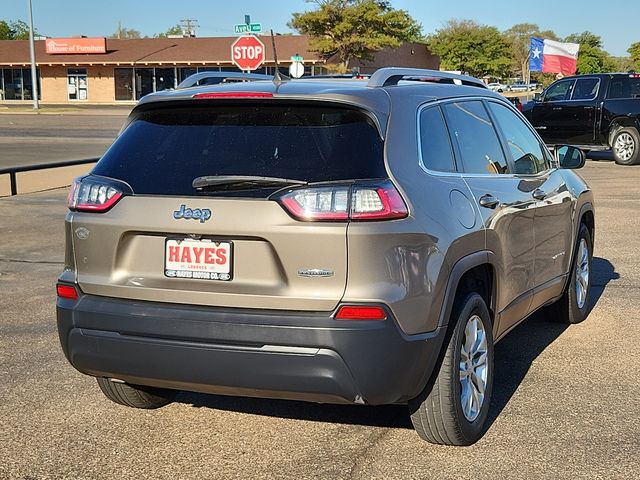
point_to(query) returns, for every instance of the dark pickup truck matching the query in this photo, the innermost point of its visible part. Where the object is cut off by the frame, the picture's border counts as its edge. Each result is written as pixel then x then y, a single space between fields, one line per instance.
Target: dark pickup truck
pixel 591 111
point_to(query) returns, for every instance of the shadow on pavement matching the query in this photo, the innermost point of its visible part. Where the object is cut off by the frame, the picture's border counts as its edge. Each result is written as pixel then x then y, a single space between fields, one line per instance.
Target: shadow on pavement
pixel 603 273
pixel 513 358
pixel 393 416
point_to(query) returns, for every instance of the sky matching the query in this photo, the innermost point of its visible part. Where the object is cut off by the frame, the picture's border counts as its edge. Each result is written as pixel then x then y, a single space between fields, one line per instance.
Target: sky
pixel 616 21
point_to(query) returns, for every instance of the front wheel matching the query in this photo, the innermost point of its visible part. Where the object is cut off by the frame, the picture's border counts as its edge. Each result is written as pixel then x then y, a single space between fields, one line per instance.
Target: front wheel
pixel 626 146
pixel 455 410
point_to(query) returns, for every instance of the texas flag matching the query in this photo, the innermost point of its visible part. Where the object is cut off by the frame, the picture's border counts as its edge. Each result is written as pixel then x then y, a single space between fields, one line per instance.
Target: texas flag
pixel 553 57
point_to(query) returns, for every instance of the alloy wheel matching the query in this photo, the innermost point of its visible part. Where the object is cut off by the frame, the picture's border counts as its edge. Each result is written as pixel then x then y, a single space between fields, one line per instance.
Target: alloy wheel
pixel 582 273
pixel 473 368
pixel 625 146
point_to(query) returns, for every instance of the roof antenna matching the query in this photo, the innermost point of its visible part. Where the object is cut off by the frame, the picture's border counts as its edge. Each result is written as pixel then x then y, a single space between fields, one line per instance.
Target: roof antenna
pixel 278 78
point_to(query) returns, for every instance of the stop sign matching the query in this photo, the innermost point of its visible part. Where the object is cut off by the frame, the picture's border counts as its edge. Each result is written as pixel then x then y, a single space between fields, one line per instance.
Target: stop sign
pixel 247 52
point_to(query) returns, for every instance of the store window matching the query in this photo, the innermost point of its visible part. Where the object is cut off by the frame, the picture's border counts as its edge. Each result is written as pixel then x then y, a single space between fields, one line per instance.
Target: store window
pixel 144 82
pixel 16 84
pixel 77 88
pixel 124 83
pixel 165 78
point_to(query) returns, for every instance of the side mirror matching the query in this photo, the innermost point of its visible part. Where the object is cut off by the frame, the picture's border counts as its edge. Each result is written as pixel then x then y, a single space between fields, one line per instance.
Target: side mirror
pixel 569 157
pixel 537 97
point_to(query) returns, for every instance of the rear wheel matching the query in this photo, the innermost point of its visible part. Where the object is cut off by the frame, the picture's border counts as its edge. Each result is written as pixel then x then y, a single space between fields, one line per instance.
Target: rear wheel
pixel 626 146
pixel 573 307
pixel 454 411
pixel 136 396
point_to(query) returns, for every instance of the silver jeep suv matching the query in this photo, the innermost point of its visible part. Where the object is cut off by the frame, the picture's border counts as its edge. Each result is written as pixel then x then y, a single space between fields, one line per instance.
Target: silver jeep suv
pixel 340 241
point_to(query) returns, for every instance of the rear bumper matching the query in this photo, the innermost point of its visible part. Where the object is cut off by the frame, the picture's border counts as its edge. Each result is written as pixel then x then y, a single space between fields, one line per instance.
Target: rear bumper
pixel 264 353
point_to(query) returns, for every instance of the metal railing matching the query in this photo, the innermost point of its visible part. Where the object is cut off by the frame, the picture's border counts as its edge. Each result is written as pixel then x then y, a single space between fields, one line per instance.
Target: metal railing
pixel 13 171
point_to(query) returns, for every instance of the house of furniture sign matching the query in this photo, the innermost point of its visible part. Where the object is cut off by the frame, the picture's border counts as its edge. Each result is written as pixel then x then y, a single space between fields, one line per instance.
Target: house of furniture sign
pixel 75 45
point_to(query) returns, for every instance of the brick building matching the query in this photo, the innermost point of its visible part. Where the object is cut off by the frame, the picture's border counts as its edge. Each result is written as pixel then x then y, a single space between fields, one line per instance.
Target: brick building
pixel 130 69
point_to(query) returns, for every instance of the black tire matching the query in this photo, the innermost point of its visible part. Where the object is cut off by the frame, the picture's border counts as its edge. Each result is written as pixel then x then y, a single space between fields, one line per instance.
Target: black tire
pixel 625 145
pixel 136 396
pixel 568 307
pixel 437 415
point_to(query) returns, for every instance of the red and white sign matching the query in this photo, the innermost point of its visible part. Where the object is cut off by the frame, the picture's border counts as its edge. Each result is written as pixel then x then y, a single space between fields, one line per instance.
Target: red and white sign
pixel 247 52
pixel 200 259
pixel 72 46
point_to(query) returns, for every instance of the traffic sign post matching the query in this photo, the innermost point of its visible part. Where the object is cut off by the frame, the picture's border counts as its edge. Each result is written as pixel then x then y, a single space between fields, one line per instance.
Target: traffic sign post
pixel 296 69
pixel 247 52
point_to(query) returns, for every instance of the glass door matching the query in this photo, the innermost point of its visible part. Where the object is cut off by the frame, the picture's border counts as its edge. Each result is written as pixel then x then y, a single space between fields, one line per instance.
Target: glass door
pixel 77 87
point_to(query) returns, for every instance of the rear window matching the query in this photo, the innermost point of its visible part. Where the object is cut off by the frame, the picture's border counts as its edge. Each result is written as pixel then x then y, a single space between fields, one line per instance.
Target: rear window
pixel 624 87
pixel 163 150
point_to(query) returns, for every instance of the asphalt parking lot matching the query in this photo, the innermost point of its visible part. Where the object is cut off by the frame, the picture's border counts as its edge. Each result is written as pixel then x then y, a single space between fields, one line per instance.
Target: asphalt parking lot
pixel 565 403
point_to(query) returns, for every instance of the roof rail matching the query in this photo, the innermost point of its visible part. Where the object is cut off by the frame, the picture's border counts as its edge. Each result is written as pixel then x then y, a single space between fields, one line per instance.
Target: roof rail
pixel 193 80
pixel 385 77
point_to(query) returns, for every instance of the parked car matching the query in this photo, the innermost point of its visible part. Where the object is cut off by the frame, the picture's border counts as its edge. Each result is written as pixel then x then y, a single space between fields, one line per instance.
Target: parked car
pixel 497 87
pixel 519 87
pixel 594 111
pixel 330 240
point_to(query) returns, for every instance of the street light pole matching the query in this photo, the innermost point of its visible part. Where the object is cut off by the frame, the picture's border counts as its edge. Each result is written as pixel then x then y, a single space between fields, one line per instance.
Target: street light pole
pixel 34 77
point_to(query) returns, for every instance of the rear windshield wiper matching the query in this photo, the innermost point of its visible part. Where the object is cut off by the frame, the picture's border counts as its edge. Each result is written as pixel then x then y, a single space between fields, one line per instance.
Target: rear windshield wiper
pixel 241 182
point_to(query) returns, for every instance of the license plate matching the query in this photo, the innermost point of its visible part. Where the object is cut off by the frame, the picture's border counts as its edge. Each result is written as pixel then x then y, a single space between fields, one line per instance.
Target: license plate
pixel 198 259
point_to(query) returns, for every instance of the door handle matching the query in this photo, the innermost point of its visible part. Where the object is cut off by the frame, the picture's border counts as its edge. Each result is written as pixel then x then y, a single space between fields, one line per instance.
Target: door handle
pixel 539 194
pixel 488 201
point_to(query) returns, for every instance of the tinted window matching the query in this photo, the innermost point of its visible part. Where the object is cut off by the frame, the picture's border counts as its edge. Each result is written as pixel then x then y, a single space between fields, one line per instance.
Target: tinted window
pixel 586 89
pixel 526 151
pixel 559 91
pixel 476 137
pixel 624 87
pixel 434 141
pixel 163 150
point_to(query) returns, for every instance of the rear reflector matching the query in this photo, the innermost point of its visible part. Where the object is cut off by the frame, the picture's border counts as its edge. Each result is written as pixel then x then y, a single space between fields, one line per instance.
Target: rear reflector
pixel 352 312
pixel 233 95
pixel 66 291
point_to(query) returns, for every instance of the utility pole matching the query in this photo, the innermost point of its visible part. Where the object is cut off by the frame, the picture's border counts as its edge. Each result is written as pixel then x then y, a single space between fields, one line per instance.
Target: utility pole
pixel 188 26
pixel 32 48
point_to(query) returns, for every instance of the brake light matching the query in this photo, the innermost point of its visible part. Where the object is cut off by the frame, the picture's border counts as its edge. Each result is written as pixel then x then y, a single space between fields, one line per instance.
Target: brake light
pixel 89 195
pixel 355 312
pixel 233 95
pixel 66 291
pixel 358 202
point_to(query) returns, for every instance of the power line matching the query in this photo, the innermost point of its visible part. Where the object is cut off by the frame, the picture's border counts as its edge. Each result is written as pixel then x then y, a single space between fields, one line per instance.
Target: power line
pixel 188 26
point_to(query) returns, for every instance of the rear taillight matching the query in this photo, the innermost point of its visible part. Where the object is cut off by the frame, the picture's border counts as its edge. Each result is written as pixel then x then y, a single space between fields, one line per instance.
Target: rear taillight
pixel 66 291
pixel 91 195
pixel 359 312
pixel 340 202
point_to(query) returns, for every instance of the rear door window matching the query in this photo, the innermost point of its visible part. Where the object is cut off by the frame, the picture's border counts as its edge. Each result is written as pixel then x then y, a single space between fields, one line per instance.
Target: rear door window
pixel 586 89
pixel 162 151
pixel 435 145
pixel 476 138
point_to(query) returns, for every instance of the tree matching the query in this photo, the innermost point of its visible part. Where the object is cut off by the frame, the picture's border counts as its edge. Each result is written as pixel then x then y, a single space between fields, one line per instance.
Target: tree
pixel 15 30
pixel 634 51
pixel 354 29
pixel 519 37
pixel 585 38
pixel 476 49
pixel 5 31
pixel 123 32
pixel 591 57
pixel 175 30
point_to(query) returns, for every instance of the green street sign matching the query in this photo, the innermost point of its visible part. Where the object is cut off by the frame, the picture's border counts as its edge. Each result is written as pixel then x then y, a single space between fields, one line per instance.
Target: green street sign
pixel 247 28
pixel 296 58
